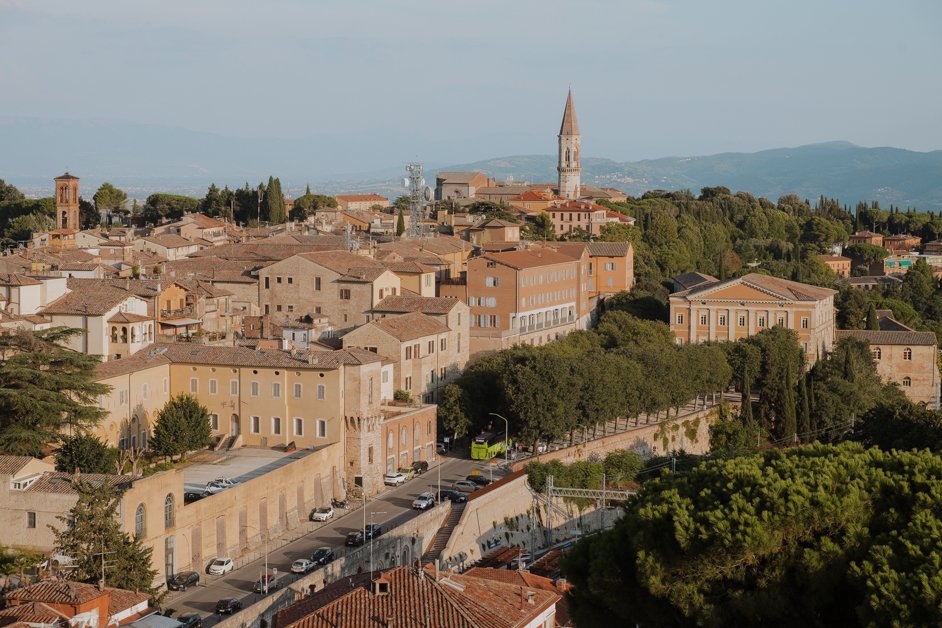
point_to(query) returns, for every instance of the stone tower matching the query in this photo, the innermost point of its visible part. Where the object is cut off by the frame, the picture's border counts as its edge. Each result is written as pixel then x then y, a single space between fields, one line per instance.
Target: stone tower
pixel 67 202
pixel 569 168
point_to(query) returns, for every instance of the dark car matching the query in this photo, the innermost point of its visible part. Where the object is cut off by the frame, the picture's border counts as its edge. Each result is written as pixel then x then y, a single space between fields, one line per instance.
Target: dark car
pixel 372 530
pixel 420 466
pixel 270 582
pixel 183 580
pixel 190 621
pixel 323 555
pixel 194 496
pixel 478 479
pixel 456 497
pixel 355 538
pixel 228 606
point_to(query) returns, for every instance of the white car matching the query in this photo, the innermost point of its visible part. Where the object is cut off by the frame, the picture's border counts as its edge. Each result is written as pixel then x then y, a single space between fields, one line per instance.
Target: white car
pixel 226 482
pixel 220 566
pixel 322 514
pixel 424 501
pixel 212 488
pixel 302 565
pixel 394 479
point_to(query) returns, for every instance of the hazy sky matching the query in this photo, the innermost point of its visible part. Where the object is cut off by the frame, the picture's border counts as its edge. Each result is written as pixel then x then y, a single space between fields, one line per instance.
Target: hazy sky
pixel 460 81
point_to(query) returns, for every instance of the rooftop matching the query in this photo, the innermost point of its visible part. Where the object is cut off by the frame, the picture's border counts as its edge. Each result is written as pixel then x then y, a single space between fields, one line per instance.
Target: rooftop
pixel 410 326
pixel 426 305
pixel 241 465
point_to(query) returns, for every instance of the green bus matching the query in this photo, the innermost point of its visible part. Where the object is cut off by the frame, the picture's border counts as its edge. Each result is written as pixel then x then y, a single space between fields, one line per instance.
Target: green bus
pixel 488 445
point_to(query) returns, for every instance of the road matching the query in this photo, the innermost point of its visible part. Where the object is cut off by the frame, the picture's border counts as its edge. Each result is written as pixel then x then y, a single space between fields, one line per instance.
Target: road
pixel 394 502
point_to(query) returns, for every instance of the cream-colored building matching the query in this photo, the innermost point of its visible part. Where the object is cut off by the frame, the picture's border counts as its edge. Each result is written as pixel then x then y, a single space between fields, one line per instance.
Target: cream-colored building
pixel 744 306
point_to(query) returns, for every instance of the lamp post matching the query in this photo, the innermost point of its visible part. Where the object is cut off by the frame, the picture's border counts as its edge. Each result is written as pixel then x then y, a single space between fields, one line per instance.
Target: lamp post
pixel 264 578
pixel 506 435
pixel 372 536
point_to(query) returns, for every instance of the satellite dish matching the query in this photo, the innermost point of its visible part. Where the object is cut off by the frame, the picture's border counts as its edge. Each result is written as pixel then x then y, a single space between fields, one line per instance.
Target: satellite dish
pixel 427 193
pixel 422 181
pixel 405 182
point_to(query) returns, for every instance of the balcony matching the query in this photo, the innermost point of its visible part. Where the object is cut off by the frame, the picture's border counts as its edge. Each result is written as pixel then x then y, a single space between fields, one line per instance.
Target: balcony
pixel 556 322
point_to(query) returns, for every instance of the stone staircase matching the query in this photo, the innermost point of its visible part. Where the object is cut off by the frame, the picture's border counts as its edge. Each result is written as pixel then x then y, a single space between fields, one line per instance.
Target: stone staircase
pixel 434 551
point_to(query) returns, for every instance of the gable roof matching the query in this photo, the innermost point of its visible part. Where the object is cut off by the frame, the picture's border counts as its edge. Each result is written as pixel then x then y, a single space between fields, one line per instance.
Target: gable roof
pixel 11 465
pixel 343 262
pixel 874 337
pixel 692 279
pixel 529 258
pixel 93 301
pixel 410 326
pixel 458 177
pixel 426 305
pixel 782 288
pixel 609 249
pixel 352 198
pixel 570 125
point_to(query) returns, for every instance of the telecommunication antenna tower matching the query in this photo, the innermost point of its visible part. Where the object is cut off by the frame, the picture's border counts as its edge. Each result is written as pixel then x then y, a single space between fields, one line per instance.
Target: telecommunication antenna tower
pixel 419 194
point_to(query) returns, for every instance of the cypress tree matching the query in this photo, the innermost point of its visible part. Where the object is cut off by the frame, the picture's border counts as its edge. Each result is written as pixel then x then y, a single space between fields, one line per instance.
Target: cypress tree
pixel 274 207
pixel 804 410
pixel 873 322
pixel 746 402
pixel 789 417
pixel 400 224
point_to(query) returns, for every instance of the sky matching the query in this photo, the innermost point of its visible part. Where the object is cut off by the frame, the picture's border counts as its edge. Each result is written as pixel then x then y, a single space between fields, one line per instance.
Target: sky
pixel 450 81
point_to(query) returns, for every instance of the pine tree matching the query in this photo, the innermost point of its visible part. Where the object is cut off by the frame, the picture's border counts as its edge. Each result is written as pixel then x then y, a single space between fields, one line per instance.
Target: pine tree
pixel 307 190
pixel 182 425
pixel 92 527
pixel 400 224
pixel 873 322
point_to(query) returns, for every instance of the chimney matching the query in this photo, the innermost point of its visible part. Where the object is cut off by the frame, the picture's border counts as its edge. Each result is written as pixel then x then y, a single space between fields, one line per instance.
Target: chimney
pixel 531 598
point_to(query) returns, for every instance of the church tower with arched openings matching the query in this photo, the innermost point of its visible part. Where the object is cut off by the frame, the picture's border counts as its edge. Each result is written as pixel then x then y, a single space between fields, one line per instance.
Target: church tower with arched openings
pixel 570 140
pixel 67 202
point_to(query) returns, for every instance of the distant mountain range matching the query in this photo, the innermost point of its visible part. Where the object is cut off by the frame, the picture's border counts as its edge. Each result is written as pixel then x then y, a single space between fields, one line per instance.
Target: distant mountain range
pixel 144 158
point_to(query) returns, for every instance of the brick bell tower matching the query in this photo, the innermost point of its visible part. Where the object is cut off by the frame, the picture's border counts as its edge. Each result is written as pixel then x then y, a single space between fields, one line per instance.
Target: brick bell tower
pixel 67 202
pixel 570 145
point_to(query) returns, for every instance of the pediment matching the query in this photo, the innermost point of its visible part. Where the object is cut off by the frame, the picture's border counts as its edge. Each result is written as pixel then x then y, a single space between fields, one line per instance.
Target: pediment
pixel 738 291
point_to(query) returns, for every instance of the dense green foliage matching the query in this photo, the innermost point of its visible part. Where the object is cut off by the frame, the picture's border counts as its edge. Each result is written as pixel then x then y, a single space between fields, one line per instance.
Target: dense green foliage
pixel 92 527
pixel 45 391
pixel 108 197
pixel 86 453
pixel 309 204
pixel 817 536
pixel 182 425
pixel 161 207
pixel 273 206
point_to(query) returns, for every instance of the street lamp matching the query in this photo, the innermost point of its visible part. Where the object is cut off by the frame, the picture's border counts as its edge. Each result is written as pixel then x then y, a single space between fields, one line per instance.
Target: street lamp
pixel 372 536
pixel 264 579
pixel 506 436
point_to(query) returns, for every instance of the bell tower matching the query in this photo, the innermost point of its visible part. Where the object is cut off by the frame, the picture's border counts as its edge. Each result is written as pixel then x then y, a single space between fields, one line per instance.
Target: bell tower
pixel 67 202
pixel 570 145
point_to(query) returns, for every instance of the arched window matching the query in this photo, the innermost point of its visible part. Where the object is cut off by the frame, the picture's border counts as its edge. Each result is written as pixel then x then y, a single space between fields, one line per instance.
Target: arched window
pixel 567 156
pixel 168 511
pixel 134 334
pixel 907 382
pixel 907 354
pixel 391 440
pixel 139 522
pixel 405 436
pixel 418 432
pixel 877 353
pixel 124 334
pixel 114 334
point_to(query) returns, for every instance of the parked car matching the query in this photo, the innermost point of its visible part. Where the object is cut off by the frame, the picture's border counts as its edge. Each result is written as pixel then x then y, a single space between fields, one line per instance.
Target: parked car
pixel 302 565
pixel 466 486
pixel 220 566
pixel 372 530
pixel 420 466
pixel 407 472
pixel 194 496
pixel 267 583
pixel 424 501
pixel 394 479
pixel 322 556
pixel 322 514
pixel 355 539
pixel 441 448
pixel 225 482
pixel 190 621
pixel 228 606
pixel 212 488
pixel 478 479
pixel 455 496
pixel 182 580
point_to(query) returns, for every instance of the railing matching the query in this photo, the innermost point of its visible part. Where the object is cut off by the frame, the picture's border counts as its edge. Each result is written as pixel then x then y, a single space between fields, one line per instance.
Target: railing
pixel 523 329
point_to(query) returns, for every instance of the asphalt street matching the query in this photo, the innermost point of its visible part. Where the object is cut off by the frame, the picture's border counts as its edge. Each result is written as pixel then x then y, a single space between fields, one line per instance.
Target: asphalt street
pixel 393 503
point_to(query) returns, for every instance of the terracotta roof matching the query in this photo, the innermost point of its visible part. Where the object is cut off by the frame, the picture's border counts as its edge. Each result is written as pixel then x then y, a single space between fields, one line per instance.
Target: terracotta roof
pixel 269 358
pixel 409 267
pixel 914 338
pixel 56 592
pixel 13 279
pixel 146 358
pixel 340 357
pixel 535 195
pixel 410 326
pixel 343 262
pixel 363 274
pixel 783 288
pixel 496 223
pixel 62 483
pixel 577 206
pixel 129 317
pixel 361 197
pixel 424 246
pixel 692 279
pixel 262 250
pixel 865 234
pixel 426 305
pixel 529 258
pixel 169 240
pixel 570 125
pixel 122 600
pixel 11 465
pixel 203 221
pixel 609 249
pixel 66 176
pixel 458 177
pixel 92 301
pixel 833 258
pixel 33 613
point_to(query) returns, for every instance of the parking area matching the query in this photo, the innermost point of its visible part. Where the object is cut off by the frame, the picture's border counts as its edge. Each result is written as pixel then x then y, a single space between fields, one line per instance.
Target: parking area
pixel 240 465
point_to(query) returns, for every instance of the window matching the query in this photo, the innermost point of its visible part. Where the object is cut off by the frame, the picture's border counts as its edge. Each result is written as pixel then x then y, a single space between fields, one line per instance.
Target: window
pixel 298 426
pixel 415 351
pixel 212 386
pixel 194 385
pixel 145 390
pixel 278 308
pixel 321 392
pixel 418 432
pixel 441 373
pixel 431 347
pixel 722 319
pixel 166 385
pixel 761 321
pixel 255 426
pixel 321 428
pixel 214 421
pixel 408 353
pixel 907 354
pixel 31 520
pixel 267 283
pixel 680 319
pixel 276 425
pixel 781 321
pixel 443 344
pixel 140 521
pixel 907 382
pixel 609 265
pixel 742 320
pixel 168 511
pixel 233 387
pixel 804 322
pixel 277 279
pixel 255 389
pixel 404 436
pixel 703 319
pixel 297 391
pixel 409 383
pixel 290 280
pixel 490 282
pixel 390 440
pixel 345 294
pixel 317 283
pixel 276 389
pixel 877 353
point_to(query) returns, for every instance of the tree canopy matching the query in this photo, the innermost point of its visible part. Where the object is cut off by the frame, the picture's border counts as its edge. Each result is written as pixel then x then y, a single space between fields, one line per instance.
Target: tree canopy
pixel 182 425
pixel 108 197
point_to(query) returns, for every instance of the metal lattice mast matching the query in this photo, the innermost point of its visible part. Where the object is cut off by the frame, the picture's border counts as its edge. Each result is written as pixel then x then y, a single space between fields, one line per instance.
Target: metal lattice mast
pixel 416 201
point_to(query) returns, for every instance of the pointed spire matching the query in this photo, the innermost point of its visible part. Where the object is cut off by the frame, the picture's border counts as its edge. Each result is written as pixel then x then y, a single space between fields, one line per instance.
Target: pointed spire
pixel 570 125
